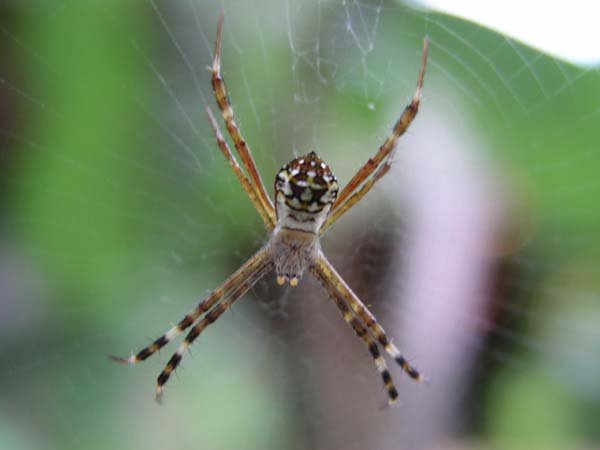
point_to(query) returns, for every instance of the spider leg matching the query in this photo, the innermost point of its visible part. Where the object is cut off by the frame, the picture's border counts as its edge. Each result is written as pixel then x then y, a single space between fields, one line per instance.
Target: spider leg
pixel 208 319
pixel 357 195
pixel 326 270
pixel 240 143
pixel 361 332
pixel 243 179
pixel 247 271
pixel 349 195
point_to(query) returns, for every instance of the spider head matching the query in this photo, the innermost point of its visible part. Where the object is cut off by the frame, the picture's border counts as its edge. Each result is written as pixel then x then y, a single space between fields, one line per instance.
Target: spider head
pixel 305 189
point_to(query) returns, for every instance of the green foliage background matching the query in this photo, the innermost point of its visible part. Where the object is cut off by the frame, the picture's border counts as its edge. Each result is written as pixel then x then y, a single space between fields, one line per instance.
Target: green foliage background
pixel 115 226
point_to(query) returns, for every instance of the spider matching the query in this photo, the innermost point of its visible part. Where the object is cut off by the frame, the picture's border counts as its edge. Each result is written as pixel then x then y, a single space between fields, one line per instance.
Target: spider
pixel 307 203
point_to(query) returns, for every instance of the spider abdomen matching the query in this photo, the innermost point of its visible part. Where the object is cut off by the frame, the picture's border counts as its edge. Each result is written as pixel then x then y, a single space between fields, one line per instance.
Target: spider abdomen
pixel 305 190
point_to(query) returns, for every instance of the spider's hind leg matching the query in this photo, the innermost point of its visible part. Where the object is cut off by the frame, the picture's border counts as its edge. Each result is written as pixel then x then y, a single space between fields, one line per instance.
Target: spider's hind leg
pixel 361 332
pixel 208 319
pixel 248 269
pixel 327 271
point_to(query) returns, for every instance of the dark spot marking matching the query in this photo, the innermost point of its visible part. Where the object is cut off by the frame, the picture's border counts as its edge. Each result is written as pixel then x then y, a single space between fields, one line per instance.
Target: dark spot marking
pixel 360 330
pixel 185 322
pixel 161 341
pixel 374 350
pixel 369 321
pixel 193 334
pixel 174 361
pixel 163 378
pixel 296 190
pixel 387 378
pixel 412 372
pixel 212 316
pixel 383 340
pixel 143 354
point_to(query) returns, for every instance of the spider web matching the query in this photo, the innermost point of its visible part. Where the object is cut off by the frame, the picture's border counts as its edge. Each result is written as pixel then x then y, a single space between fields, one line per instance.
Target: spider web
pixel 478 253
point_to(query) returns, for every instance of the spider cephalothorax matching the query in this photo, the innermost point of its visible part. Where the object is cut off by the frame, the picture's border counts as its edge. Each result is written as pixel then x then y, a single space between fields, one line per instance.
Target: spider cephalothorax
pixel 306 204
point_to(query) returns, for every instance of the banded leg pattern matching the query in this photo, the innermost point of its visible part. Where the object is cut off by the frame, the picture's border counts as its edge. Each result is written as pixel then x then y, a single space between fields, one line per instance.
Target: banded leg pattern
pixel 327 271
pixel 384 155
pixel 208 319
pixel 357 195
pixel 242 178
pixel 362 333
pixel 247 269
pixel 240 143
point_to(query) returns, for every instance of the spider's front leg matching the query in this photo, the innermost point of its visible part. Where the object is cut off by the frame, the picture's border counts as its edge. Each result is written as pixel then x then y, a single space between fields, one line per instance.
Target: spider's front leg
pixel 377 166
pixel 260 198
pixel 243 179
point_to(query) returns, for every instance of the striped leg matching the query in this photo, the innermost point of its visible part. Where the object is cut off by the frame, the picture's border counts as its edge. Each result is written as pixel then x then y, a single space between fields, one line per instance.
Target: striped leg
pixel 240 143
pixel 357 195
pixel 249 269
pixel 208 319
pixel 326 270
pixel 384 154
pixel 243 179
pixel 361 332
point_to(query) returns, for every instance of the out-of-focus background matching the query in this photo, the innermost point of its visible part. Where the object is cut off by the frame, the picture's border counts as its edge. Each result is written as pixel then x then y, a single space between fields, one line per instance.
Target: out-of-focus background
pixel 479 252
